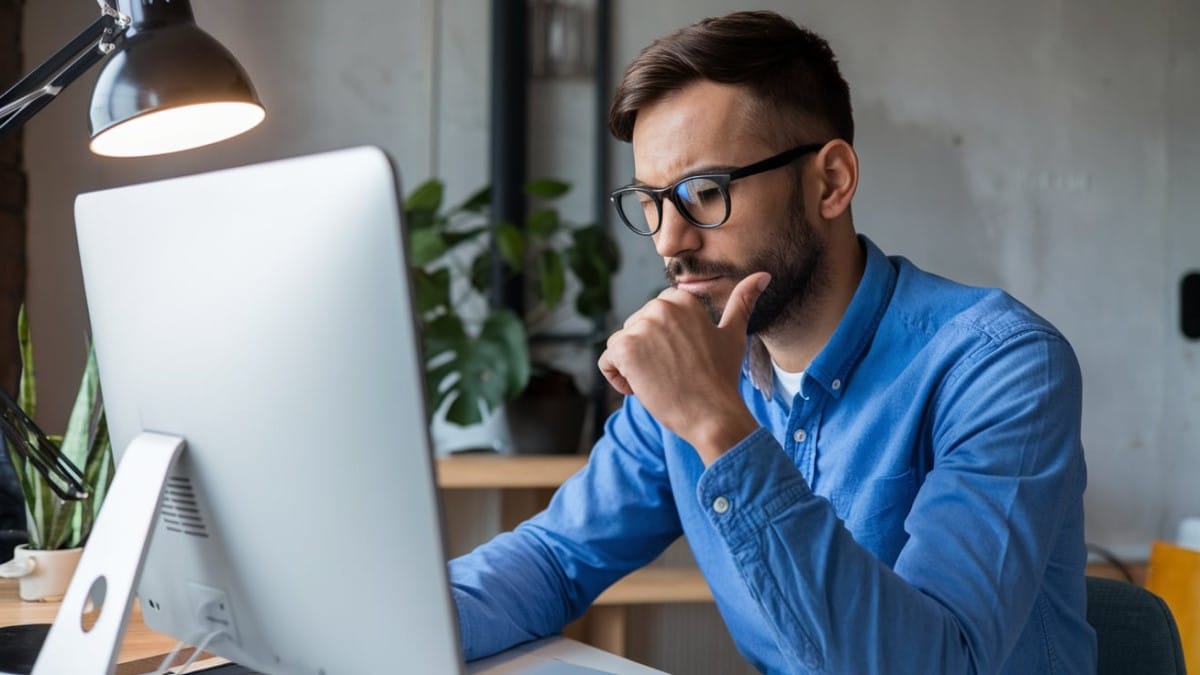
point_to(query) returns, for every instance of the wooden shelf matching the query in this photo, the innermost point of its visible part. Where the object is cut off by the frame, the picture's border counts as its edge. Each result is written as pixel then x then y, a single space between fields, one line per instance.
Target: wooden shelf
pixel 478 471
pixel 654 585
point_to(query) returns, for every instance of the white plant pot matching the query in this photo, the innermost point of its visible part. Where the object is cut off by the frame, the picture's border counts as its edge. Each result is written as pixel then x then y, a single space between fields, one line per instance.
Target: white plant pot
pixel 44 575
pixel 490 434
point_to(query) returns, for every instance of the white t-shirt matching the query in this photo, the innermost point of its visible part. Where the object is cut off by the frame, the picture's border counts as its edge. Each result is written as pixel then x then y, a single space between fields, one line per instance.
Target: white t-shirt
pixel 788 383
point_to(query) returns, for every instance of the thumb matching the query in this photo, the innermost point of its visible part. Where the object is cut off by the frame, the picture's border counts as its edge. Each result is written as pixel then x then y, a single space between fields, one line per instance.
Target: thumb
pixel 742 300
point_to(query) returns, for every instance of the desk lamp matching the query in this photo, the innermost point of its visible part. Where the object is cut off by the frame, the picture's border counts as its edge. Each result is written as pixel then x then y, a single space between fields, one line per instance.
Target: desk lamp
pixel 166 86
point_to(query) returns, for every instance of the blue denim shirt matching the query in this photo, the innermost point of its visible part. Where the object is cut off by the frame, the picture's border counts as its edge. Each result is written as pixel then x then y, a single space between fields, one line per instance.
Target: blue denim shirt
pixel 917 508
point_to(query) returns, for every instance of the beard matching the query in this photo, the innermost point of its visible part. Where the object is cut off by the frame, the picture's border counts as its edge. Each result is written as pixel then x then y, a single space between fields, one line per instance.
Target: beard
pixel 795 257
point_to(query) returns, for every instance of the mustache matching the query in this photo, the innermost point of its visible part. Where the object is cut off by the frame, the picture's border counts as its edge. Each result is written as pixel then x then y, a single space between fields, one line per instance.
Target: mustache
pixel 696 267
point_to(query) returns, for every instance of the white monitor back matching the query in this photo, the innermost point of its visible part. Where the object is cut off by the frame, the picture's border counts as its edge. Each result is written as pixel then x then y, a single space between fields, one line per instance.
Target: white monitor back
pixel 263 314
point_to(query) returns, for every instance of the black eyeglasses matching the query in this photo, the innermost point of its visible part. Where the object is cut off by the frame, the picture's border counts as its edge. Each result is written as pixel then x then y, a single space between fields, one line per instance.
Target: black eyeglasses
pixel 702 199
pixel 26 439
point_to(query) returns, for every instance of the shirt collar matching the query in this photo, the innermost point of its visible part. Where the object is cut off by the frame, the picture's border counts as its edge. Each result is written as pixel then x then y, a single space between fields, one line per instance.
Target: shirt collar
pixel 831 368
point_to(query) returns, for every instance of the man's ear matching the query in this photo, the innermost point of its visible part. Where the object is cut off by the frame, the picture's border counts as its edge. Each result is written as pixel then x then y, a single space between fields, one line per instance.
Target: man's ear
pixel 838 164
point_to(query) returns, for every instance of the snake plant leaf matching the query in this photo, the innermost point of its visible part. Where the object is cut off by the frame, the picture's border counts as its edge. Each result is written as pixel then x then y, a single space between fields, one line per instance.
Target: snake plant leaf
pixel 544 223
pixel 97 475
pixel 53 523
pixel 546 188
pixel 60 533
pixel 27 394
pixel 511 243
pixel 552 277
pixel 77 440
pixel 431 289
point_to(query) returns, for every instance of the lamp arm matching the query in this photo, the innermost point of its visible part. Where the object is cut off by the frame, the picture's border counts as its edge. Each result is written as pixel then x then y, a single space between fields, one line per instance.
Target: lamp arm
pixel 25 98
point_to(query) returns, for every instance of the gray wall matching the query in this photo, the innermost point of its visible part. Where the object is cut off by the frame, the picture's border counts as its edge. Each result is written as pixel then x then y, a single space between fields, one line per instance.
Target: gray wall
pixel 1051 148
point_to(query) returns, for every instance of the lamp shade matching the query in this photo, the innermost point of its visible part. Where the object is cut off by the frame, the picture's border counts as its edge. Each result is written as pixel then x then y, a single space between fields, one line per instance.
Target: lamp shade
pixel 169 86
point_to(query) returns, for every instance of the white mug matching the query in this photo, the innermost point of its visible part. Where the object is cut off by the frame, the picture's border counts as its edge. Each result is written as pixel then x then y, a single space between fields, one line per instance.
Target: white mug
pixel 44 575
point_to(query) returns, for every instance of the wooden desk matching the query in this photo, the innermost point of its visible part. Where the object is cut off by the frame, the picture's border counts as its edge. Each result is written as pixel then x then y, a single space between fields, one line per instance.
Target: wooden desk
pixel 140 652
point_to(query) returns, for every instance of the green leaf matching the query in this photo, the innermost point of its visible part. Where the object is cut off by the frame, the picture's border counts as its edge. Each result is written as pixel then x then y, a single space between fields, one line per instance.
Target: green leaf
pixel 543 224
pixel 506 328
pixel 52 522
pixel 75 443
pixel 593 301
pixel 593 245
pixel 427 196
pixel 481 273
pixel 455 238
pixel 546 188
pixel 432 289
pixel 27 394
pixel 511 243
pixel 553 278
pixel 488 366
pixel 419 221
pixel 97 475
pixel 425 246
pixel 593 258
pixel 478 202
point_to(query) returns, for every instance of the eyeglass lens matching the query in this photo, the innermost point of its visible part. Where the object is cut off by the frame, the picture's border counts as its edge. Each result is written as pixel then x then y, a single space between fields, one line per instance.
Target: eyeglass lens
pixel 702 201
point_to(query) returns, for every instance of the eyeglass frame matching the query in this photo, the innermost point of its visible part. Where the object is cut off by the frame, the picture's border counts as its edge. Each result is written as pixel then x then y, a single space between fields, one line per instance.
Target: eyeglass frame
pixel 721 179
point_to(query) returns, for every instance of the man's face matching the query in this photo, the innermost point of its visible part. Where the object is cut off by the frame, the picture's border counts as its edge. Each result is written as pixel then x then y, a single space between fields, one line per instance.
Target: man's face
pixel 706 127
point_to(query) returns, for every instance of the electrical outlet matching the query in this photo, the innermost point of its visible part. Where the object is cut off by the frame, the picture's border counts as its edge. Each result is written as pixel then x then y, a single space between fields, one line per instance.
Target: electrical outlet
pixel 211 608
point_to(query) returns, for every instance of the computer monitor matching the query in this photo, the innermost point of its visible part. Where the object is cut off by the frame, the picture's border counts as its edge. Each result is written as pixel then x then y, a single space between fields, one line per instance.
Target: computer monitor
pixel 263 315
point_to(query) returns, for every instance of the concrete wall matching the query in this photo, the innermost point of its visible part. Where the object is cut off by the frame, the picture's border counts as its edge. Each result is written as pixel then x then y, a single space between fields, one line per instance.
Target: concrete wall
pixel 1051 148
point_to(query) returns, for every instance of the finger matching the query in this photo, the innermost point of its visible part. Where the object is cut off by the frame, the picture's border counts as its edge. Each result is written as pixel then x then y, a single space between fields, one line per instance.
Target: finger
pixel 742 300
pixel 613 374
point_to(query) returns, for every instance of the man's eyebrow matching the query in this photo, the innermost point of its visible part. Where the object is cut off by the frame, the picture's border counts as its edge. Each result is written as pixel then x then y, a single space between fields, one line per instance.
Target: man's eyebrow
pixel 694 171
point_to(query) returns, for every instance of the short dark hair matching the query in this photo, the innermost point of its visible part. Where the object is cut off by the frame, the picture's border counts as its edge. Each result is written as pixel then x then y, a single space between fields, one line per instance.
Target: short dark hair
pixel 789 69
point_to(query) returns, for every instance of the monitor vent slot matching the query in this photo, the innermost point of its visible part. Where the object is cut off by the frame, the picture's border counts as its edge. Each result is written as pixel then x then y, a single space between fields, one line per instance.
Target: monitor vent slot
pixel 179 511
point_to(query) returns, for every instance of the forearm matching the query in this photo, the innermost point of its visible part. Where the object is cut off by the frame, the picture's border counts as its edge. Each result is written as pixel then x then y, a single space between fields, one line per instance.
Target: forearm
pixel 834 607
pixel 614 516
pixel 506 594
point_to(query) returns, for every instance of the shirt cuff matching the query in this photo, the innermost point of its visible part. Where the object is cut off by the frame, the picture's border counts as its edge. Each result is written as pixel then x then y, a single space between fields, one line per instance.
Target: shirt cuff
pixel 748 485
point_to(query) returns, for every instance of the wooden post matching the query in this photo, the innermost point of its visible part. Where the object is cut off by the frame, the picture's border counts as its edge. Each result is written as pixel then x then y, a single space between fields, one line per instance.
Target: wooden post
pixel 12 204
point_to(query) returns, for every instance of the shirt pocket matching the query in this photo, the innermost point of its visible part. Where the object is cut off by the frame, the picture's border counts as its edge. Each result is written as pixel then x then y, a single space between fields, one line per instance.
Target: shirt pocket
pixel 874 513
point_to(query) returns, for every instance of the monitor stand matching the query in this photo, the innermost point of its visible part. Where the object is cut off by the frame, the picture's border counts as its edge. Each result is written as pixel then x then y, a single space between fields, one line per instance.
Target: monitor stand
pixel 111 564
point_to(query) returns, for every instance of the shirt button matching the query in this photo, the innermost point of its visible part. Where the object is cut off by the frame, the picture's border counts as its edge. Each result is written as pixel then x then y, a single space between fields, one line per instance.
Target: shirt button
pixel 836 384
pixel 799 435
pixel 720 505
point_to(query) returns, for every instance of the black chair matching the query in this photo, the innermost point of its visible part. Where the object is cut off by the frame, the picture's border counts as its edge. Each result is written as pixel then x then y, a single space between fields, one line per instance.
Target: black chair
pixel 1135 630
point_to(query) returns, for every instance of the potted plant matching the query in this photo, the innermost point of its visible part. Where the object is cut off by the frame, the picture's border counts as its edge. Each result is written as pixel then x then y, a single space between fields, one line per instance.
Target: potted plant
pixel 57 527
pixel 478 356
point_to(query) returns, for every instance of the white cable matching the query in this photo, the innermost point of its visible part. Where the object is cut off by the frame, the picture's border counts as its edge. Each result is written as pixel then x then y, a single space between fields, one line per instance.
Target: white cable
pixel 199 648
pixel 165 668
pixel 165 664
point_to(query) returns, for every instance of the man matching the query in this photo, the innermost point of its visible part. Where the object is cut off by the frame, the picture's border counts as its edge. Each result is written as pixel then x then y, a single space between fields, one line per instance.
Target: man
pixel 886 477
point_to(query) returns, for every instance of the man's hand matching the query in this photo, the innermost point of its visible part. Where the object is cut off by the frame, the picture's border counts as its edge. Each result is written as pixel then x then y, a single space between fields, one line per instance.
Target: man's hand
pixel 685 370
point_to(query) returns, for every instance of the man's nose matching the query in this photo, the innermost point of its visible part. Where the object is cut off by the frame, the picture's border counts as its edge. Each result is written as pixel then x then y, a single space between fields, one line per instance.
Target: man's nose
pixel 676 235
